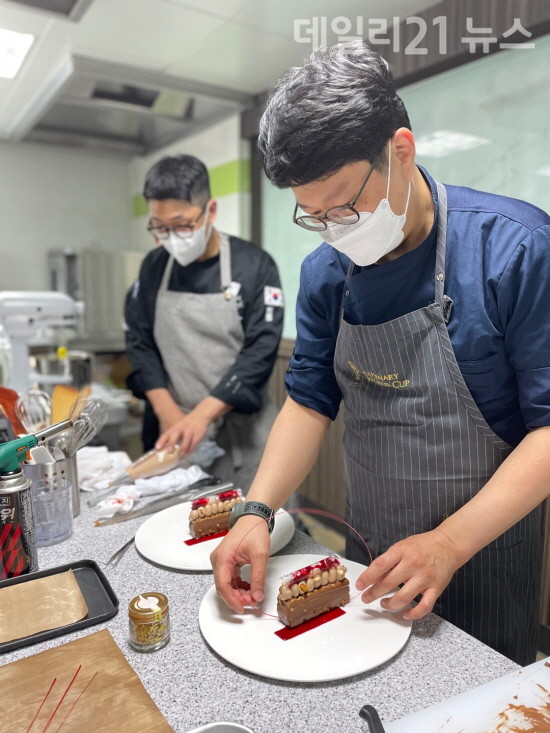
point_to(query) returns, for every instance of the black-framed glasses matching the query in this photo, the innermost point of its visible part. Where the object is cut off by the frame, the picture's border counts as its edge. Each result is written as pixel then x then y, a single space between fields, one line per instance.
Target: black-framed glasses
pixel 346 214
pixel 183 231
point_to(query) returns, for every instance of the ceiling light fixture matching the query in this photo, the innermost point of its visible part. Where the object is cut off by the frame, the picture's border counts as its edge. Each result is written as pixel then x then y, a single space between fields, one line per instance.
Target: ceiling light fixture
pixel 440 143
pixel 13 49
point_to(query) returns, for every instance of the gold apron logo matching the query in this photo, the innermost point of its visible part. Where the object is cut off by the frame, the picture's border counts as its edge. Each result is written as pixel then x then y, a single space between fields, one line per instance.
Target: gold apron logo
pixel 394 380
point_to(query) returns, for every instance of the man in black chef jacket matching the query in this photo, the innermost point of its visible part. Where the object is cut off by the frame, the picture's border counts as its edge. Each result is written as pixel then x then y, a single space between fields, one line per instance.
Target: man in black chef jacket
pixel 204 320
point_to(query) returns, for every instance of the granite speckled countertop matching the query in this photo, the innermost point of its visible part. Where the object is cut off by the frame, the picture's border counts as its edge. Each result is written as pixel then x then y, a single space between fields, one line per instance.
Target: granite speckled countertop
pixel 192 685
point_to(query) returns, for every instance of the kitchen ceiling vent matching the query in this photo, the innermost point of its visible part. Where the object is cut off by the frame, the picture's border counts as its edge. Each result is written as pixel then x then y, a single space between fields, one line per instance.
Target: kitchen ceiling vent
pixel 70 9
pixel 134 111
pixel 125 93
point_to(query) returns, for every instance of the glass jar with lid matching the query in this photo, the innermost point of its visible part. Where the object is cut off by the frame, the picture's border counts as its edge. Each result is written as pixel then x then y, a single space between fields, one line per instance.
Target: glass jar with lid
pixel 149 621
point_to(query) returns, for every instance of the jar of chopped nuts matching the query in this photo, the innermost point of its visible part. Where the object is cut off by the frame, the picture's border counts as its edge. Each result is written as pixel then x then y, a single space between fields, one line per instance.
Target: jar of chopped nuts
pixel 149 622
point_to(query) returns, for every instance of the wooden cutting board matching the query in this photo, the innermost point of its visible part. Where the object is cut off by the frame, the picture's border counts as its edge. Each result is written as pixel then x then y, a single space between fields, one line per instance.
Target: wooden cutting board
pixel 63 398
pixel 516 703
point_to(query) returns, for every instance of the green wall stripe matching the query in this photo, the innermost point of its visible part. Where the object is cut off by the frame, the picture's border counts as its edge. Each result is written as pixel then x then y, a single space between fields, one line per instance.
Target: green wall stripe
pixel 226 179
pixel 232 177
pixel 139 206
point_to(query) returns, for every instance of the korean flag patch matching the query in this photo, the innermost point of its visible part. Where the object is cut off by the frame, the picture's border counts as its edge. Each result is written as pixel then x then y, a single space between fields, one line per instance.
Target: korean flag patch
pixel 273 296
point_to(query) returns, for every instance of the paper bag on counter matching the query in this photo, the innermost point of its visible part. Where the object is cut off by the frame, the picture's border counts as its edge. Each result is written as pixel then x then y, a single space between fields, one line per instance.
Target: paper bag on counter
pixel 39 605
pixel 84 685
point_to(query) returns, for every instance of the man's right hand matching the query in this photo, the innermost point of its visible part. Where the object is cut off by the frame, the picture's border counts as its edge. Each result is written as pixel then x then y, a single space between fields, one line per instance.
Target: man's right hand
pixel 165 408
pixel 247 543
pixel 169 416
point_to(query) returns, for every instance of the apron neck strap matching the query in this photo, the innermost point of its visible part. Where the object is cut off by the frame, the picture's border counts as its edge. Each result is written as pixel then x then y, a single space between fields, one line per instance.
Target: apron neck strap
pixel 225 261
pixel 166 274
pixel 441 245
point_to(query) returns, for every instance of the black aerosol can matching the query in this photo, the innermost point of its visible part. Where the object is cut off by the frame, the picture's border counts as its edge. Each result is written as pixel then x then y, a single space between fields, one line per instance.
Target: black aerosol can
pixel 17 536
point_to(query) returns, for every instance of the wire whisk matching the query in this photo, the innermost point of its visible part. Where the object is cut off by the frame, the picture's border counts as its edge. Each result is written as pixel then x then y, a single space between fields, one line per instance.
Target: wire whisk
pixel 89 422
pixel 34 410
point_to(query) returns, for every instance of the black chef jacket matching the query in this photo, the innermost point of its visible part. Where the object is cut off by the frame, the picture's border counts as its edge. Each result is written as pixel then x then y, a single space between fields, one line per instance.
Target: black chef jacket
pixel 254 269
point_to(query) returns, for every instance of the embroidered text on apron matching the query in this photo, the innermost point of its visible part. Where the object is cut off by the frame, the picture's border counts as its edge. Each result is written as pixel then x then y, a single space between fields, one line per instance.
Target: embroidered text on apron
pixel 417 449
pixel 199 336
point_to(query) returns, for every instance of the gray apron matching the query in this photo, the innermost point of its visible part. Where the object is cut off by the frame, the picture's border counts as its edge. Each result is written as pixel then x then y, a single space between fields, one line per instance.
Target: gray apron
pixel 417 449
pixel 199 336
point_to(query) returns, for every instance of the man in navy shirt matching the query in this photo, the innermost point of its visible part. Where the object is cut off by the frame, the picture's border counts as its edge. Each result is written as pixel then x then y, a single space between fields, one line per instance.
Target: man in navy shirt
pixel 425 310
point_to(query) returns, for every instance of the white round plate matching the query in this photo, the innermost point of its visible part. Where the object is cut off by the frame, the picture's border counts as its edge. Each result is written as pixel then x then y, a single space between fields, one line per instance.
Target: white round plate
pixel 363 638
pixel 161 539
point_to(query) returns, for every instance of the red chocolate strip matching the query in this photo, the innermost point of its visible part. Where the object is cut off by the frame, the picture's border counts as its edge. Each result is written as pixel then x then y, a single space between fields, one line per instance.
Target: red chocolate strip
pixel 196 540
pixel 41 705
pixel 75 702
pixel 63 696
pixel 286 633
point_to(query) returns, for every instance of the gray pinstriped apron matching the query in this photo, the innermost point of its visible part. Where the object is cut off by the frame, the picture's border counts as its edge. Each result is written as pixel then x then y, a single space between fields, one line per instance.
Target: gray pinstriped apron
pixel 417 449
pixel 199 336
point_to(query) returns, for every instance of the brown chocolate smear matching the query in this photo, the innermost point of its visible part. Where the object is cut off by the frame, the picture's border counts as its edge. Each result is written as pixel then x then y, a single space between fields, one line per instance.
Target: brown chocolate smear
pixel 309 605
pixel 537 718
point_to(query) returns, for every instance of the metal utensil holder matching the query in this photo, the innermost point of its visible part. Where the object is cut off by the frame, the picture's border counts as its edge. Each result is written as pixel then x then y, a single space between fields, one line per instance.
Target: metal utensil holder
pixel 62 469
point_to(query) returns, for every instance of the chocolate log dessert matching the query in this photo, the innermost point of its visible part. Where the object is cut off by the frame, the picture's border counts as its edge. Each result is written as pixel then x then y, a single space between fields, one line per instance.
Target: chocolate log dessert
pixel 312 590
pixel 210 515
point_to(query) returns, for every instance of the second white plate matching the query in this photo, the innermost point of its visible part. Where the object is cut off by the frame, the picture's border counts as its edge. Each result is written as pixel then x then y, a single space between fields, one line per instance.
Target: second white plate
pixel 161 539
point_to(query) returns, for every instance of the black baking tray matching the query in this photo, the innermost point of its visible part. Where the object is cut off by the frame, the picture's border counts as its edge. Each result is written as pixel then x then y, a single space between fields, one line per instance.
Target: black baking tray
pixel 99 596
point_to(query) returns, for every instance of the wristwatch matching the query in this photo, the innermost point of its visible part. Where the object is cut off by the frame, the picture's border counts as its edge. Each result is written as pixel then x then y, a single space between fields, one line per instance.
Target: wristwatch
pixel 253 507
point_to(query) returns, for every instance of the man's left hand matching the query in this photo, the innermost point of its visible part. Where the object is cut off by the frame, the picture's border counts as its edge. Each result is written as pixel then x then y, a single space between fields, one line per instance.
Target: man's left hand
pixel 423 564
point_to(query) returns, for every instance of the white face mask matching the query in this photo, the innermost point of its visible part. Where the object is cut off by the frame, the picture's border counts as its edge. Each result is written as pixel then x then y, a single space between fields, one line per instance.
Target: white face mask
pixel 373 236
pixel 187 250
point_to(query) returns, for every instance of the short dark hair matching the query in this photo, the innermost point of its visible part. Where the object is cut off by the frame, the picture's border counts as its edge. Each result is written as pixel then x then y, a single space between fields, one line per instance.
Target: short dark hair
pixel 181 177
pixel 340 107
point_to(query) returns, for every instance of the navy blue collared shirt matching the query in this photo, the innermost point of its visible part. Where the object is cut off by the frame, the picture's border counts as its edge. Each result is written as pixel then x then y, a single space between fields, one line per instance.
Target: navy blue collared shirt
pixel 497 274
